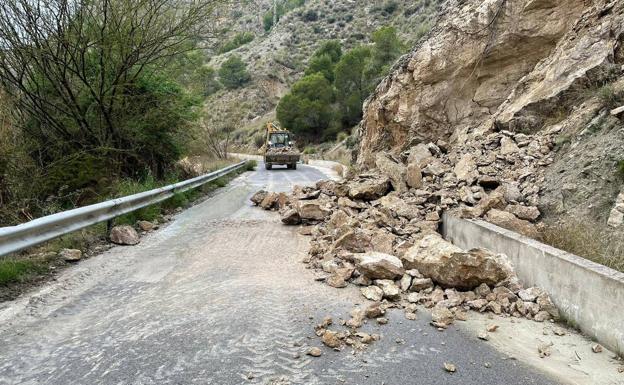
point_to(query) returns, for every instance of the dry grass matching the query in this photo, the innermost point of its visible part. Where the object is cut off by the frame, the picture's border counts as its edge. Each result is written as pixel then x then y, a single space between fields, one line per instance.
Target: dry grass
pixel 588 240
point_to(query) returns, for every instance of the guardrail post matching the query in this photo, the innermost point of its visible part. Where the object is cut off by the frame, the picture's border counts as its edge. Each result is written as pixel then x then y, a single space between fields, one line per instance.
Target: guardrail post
pixel 109 227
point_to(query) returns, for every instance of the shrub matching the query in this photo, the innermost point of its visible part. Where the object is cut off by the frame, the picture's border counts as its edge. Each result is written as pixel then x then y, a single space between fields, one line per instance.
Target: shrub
pixel 341 136
pixel 610 97
pixel 310 15
pixel 307 110
pixel 259 140
pixel 390 7
pixel 251 165
pixel 238 40
pixel 233 73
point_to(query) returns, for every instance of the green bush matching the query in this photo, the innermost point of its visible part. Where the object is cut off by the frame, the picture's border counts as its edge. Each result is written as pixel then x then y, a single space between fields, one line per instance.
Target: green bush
pixel 233 73
pixel 341 136
pixel 390 7
pixel 251 165
pixel 238 40
pixel 310 15
pixel 307 109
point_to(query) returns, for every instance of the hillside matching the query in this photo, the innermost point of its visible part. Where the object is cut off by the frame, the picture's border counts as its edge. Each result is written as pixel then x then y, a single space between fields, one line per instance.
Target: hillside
pixel 515 94
pixel 277 58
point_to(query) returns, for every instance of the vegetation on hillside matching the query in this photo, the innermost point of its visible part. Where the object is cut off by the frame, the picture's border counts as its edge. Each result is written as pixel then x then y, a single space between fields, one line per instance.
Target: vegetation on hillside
pixel 329 98
pixel 95 92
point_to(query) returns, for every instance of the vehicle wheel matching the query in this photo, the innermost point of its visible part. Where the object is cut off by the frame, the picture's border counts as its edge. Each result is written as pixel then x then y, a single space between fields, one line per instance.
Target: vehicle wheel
pixel 268 166
pixel 294 166
pixel 289 166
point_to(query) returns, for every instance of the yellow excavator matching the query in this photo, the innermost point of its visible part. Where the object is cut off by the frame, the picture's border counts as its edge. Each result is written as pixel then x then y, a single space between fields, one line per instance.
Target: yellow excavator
pixel 279 148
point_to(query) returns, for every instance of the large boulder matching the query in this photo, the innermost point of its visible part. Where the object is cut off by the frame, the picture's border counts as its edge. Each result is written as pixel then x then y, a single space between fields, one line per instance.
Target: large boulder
pixel 312 210
pixel 70 255
pixel 356 241
pixel 269 201
pixel 399 206
pixel 414 176
pixel 258 197
pixel 466 169
pixel 369 188
pixel 291 217
pixel 450 266
pixel 124 235
pixel 377 265
pixel 511 222
pixel 393 169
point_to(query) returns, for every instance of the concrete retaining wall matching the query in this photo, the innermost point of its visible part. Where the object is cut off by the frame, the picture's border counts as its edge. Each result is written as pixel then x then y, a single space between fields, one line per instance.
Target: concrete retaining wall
pixel 590 296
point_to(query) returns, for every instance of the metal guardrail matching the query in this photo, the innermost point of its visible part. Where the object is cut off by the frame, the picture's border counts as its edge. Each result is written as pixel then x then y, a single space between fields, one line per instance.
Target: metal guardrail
pixel 43 229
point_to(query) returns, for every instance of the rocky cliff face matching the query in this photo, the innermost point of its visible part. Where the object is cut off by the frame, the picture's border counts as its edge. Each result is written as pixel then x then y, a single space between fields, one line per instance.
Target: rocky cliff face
pixel 543 68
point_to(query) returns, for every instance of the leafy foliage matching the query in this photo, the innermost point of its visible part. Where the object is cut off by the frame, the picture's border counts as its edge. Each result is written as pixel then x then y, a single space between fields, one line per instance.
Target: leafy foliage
pixel 233 73
pixel 283 7
pixel 238 40
pixel 307 109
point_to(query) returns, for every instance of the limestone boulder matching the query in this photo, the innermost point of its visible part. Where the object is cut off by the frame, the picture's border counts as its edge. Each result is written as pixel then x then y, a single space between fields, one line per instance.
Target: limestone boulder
pixel 258 197
pixel 511 222
pixel 377 265
pixel 291 217
pixel 70 255
pixel 450 266
pixel 369 188
pixel 396 171
pixel 312 210
pixel 124 235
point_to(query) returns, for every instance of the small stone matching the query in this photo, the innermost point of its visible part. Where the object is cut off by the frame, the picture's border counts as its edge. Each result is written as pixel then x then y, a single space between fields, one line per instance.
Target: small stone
pixel 70 255
pixel 484 336
pixel 374 310
pixel 145 225
pixel 487 365
pixel 559 332
pixel 492 328
pixel 314 352
pixel 411 316
pixel 450 367
pixel 544 350
pixel 331 339
pixel 596 348
pixel 382 320
pixel 372 293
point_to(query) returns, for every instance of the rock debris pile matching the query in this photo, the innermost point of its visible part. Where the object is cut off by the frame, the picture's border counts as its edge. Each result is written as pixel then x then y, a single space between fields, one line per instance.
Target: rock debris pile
pixel 378 229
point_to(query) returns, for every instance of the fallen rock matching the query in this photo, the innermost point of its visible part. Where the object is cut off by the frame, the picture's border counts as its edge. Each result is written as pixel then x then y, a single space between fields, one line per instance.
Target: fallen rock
pixel 466 169
pixel 396 171
pixel 390 290
pixel 70 255
pixel 529 213
pixel 357 318
pixel 596 348
pixel 312 210
pixel 356 241
pixel 414 177
pixel 124 235
pixel 258 197
pixel 374 310
pixel 441 317
pixel 330 339
pixel 269 201
pixel 145 225
pixel 510 222
pixel 450 367
pixel 377 265
pixel 291 217
pixel 314 352
pixel 449 266
pixel 369 189
pixel 372 293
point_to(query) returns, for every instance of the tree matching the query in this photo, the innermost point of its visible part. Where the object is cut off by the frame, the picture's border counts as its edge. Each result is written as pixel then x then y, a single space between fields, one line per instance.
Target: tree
pixel 353 83
pixel 206 79
pixel 387 48
pixel 233 73
pixel 307 109
pixel 331 48
pixel 77 73
pixel 321 64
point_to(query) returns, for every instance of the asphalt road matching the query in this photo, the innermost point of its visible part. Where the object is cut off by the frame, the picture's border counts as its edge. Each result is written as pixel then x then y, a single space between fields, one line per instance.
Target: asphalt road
pixel 219 296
